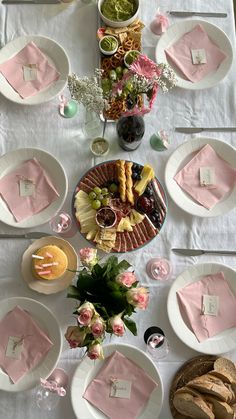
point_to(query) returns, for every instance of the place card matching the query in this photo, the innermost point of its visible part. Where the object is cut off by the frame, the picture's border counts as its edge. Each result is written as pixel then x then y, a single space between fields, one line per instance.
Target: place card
pixel 120 388
pixel 14 347
pixel 210 305
pixel 207 177
pixel 30 72
pixel 199 56
pixel 27 187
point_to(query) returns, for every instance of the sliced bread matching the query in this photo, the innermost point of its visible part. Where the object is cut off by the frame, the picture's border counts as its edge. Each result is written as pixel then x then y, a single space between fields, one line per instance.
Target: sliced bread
pixel 192 406
pixel 221 409
pixel 226 366
pixel 209 384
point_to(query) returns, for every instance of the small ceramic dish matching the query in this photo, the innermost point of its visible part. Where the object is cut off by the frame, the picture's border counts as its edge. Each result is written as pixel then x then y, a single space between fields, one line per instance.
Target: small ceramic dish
pixel 106 217
pixel 118 23
pixel 99 146
pixel 108 45
pixel 41 285
pixel 130 57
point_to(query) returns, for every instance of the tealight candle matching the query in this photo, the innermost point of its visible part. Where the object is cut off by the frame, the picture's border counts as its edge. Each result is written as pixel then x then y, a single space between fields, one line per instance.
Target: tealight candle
pixel 159 269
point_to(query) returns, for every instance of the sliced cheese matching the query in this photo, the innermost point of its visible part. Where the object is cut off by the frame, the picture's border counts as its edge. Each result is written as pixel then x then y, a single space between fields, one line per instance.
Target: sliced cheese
pixel 147 175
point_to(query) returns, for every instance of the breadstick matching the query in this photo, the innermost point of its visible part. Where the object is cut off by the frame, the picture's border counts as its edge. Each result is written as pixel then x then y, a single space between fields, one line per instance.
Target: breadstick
pixel 129 183
pixel 121 179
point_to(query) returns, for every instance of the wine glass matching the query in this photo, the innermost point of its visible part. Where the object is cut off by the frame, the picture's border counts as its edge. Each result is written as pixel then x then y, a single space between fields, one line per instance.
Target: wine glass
pixel 157 345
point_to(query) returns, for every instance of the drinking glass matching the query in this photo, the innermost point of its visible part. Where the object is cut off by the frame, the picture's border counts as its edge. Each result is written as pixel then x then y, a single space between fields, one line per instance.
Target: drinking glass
pixel 159 269
pixel 157 345
pixel 161 139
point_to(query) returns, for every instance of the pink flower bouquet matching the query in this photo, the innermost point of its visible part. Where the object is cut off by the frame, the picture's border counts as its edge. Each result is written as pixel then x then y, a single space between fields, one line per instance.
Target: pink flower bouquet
pixel 108 295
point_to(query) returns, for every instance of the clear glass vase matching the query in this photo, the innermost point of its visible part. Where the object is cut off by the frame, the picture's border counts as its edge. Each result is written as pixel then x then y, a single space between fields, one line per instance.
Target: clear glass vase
pixel 93 125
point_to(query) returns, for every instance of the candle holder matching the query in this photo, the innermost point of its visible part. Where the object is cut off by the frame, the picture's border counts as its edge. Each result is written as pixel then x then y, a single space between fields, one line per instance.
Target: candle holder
pixel 157 345
pixel 159 269
pixel 63 225
pixel 52 389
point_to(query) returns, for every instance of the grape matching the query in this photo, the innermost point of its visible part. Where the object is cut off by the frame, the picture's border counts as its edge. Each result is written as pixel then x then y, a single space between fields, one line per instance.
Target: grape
pixel 92 195
pixel 96 204
pixel 119 71
pixel 105 202
pixel 113 187
pixel 97 190
pixel 100 197
pixel 104 191
pixel 113 75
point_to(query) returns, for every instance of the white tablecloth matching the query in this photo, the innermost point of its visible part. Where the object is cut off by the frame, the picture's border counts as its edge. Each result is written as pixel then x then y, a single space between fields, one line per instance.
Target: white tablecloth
pixel 74 27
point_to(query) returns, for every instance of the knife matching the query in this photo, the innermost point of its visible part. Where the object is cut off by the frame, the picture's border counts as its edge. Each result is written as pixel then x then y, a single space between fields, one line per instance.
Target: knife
pixel 198 252
pixel 30 1
pixel 188 14
pixel 194 130
pixel 32 235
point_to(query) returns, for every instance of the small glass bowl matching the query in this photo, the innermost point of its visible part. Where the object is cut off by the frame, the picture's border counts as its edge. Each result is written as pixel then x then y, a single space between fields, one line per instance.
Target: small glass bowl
pixel 104 51
pixel 99 146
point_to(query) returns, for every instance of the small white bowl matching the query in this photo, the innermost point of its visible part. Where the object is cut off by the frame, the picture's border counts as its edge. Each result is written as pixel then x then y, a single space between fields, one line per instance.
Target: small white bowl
pixel 127 54
pixel 115 23
pixel 105 52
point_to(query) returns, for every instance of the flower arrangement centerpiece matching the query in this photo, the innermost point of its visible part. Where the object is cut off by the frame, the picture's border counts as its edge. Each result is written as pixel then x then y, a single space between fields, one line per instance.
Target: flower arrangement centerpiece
pixel 88 91
pixel 143 77
pixel 109 294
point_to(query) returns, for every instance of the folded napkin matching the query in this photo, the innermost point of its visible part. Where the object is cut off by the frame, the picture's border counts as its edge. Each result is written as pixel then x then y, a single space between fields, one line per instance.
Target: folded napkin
pixel 189 177
pixel 117 366
pixel 38 74
pixel 190 300
pixel 180 54
pixel 25 206
pixel 33 344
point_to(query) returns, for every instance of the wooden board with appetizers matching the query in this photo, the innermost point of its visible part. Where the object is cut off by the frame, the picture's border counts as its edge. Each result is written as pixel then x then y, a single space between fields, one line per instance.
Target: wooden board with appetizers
pixel 115 65
pixel 120 205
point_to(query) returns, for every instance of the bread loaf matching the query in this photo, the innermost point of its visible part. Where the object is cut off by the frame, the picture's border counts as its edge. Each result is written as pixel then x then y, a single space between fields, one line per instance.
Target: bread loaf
pixel 209 384
pixel 220 409
pixel 225 366
pixel 192 406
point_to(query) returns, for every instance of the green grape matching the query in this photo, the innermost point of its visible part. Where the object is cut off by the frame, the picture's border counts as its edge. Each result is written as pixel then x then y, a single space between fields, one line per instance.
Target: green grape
pixel 105 202
pixel 106 85
pixel 113 75
pixel 119 71
pixel 96 204
pixel 100 197
pixel 104 191
pixel 97 190
pixel 113 187
pixel 92 195
pixel 125 70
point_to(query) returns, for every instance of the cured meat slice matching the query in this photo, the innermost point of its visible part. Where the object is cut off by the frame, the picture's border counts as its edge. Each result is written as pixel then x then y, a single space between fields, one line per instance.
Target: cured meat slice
pixel 117 246
pixel 151 231
pixel 98 175
pixel 136 232
pixel 129 242
pixel 123 247
pixel 91 184
pixel 91 178
pixel 100 171
pixel 84 187
pixel 133 239
pixel 142 235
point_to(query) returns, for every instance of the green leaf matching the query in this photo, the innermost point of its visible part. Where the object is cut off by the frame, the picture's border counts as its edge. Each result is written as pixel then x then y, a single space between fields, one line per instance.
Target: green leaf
pixel 111 263
pixel 123 266
pixel 130 324
pixel 73 292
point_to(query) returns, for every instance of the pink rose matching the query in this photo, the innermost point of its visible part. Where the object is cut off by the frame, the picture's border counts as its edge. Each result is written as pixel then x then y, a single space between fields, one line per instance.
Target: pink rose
pixel 75 336
pixel 117 324
pixel 138 297
pixel 97 327
pixel 126 278
pixel 95 352
pixel 88 256
pixel 85 314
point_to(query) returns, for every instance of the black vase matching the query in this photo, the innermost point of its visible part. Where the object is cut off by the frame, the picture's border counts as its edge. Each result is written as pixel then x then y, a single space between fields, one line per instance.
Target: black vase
pixel 130 130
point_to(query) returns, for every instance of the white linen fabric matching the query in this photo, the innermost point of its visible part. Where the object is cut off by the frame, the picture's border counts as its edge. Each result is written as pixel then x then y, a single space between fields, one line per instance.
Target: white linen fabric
pixel 74 26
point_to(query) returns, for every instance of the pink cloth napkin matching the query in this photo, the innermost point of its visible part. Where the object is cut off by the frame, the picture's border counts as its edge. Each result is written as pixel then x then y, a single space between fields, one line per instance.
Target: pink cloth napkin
pixel 180 54
pixel 36 344
pixel 190 303
pixel 118 366
pixel 12 70
pixel 189 177
pixel 25 206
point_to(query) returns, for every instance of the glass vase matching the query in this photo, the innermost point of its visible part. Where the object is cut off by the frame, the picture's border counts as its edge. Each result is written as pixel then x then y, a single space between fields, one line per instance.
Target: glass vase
pixel 130 130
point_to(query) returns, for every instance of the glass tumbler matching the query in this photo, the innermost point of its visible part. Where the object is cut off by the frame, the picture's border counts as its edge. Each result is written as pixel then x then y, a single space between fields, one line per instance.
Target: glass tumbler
pixel 63 225
pixel 157 345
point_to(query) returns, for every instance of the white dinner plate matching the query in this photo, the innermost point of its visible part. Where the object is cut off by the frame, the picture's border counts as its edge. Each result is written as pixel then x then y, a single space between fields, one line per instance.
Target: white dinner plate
pixel 218 344
pixel 9 162
pixel 56 56
pixel 87 370
pixel 180 157
pixel 48 323
pixel 41 285
pixel 176 31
